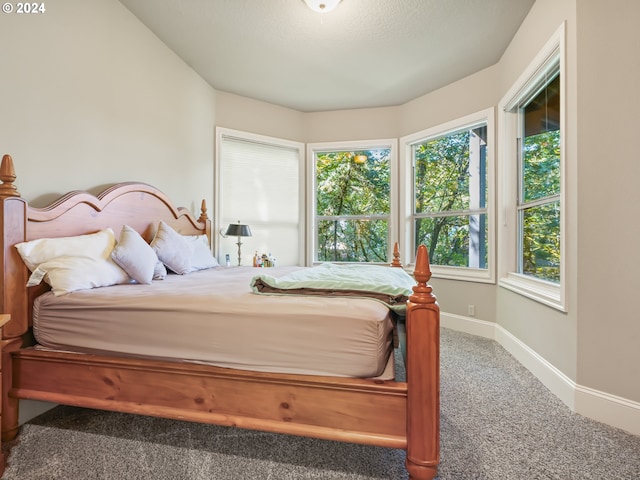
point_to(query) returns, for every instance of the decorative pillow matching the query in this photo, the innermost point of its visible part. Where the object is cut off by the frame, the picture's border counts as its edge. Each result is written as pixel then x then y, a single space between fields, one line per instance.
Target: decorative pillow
pixel 68 274
pixel 93 245
pixel 202 257
pixel 135 256
pixel 73 263
pixel 172 249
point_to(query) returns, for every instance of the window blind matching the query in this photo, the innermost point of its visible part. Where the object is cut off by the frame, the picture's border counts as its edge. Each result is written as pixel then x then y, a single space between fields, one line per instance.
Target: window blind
pixel 260 187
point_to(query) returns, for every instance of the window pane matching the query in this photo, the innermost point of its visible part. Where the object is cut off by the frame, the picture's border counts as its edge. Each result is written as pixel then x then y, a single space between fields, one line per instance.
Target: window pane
pixel 541 241
pixel 353 183
pixel 451 186
pixel 459 240
pixel 352 240
pixel 450 172
pixel 541 166
pixel 541 146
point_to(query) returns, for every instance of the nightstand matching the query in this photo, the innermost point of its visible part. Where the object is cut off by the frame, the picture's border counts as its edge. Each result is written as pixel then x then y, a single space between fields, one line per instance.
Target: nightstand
pixel 3 320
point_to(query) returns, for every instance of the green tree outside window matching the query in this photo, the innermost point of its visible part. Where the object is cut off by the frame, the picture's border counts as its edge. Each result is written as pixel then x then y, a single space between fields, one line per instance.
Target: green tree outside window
pixel 539 199
pixel 353 198
pixel 450 197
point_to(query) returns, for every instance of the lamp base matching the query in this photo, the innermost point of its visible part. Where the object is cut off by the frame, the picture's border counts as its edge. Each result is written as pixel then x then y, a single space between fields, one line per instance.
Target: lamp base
pixel 239 243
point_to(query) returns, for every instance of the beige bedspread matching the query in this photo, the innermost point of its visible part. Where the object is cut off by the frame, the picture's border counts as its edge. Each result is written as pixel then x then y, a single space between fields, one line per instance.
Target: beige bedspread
pixel 212 316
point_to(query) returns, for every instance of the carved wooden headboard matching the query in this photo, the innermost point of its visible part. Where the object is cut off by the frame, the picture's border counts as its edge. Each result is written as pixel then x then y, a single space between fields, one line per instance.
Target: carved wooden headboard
pixel 138 205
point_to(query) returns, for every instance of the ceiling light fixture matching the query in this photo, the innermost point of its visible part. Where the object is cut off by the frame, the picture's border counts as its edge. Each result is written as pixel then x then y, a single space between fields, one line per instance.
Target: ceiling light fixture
pixel 322 6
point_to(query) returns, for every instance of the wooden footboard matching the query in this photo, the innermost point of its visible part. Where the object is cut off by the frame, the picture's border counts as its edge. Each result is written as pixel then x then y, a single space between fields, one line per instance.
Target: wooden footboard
pixel 386 413
pixel 322 407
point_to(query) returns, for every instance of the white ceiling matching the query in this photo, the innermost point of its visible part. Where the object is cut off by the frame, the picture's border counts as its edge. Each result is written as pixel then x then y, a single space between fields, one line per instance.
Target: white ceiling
pixel 365 53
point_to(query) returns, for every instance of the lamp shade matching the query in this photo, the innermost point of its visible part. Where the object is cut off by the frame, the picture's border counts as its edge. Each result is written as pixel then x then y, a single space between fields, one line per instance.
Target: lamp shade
pixel 238 230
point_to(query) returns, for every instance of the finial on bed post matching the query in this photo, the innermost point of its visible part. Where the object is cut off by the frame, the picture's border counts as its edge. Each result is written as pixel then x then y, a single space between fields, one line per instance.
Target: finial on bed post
pixel 396 256
pixel 423 375
pixel 422 274
pixel 203 212
pixel 8 176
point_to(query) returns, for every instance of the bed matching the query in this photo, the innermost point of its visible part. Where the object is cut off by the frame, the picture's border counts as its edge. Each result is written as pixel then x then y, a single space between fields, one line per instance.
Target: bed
pixel 376 410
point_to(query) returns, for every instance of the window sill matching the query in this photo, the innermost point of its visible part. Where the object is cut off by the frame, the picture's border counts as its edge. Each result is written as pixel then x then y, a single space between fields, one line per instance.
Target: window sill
pixel 547 293
pixel 477 275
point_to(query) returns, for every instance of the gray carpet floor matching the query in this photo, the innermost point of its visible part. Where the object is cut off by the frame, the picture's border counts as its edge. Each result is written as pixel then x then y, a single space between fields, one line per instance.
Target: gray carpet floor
pixel 497 422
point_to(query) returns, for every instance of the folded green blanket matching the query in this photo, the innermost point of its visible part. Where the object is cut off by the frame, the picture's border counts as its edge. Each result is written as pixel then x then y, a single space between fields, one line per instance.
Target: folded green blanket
pixel 391 286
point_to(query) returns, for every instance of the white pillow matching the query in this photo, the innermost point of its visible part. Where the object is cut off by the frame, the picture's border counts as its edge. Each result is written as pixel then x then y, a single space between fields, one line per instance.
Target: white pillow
pixel 172 249
pixel 73 263
pixel 135 256
pixel 68 274
pixel 93 245
pixel 202 258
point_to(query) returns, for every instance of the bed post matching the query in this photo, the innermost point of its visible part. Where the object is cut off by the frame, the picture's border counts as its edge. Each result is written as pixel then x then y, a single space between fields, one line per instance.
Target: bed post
pixel 396 256
pixel 204 218
pixel 423 375
pixel 13 279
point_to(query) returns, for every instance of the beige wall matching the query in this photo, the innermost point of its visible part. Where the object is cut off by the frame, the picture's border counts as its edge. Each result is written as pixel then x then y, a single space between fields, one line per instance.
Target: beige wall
pixel 345 125
pixel 245 114
pixel 471 94
pixel 90 97
pixel 608 193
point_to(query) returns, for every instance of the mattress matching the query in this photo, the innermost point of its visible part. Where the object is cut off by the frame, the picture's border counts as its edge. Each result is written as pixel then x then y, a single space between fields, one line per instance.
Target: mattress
pixel 212 317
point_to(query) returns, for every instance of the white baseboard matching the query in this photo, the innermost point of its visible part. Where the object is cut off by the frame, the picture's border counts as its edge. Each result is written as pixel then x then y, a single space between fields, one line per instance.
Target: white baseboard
pixel 610 409
pixel 556 381
pixel 473 326
pixel 600 406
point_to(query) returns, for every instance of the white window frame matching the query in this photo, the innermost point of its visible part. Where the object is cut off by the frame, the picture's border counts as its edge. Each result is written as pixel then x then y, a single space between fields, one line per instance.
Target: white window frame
pixel 347 146
pixel 222 132
pixel 549 293
pixel 407 220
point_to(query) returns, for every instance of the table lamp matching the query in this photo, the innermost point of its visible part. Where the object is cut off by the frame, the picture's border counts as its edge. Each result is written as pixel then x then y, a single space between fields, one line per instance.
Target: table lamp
pixel 238 230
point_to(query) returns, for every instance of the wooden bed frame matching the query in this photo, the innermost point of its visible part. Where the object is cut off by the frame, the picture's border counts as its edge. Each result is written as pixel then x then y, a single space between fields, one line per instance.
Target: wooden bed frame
pixel 403 415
